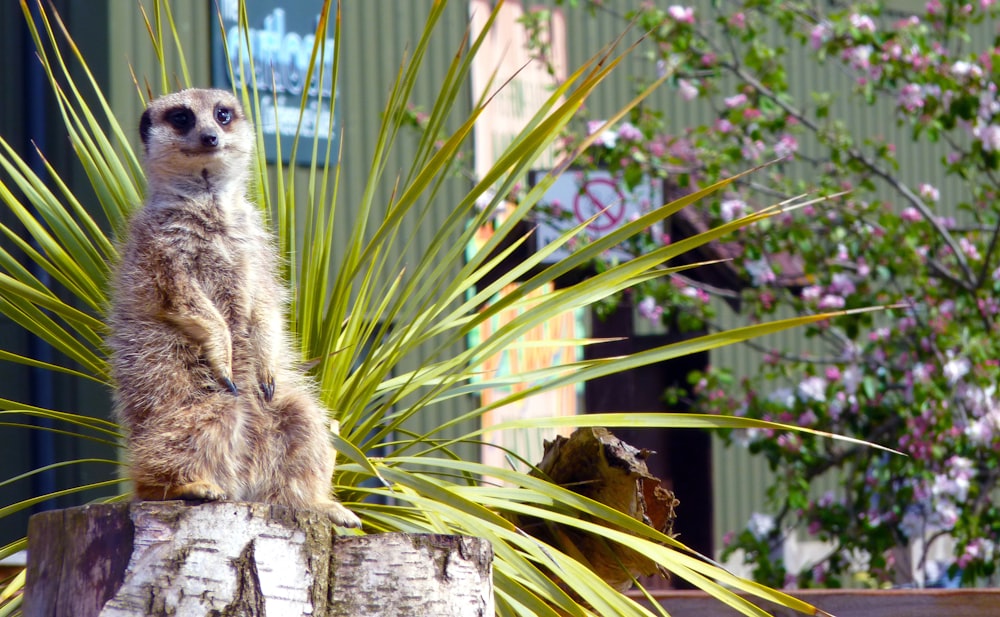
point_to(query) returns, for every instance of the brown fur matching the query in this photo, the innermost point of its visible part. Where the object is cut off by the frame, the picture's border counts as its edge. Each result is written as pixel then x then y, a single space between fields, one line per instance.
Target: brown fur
pixel 207 386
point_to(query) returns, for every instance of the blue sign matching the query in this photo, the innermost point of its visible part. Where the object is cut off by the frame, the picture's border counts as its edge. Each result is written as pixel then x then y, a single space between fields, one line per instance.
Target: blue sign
pixel 278 46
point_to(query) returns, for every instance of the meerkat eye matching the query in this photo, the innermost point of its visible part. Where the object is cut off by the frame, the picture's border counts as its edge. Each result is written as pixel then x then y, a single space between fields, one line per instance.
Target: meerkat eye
pixel 223 115
pixel 181 119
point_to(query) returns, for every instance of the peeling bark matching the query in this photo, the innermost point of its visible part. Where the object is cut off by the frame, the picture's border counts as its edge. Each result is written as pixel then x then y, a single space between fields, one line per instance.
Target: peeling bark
pixel 227 559
pixel 596 464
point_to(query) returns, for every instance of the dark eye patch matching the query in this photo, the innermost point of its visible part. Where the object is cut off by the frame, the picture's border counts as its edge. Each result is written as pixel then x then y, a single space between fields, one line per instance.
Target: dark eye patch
pixel 181 118
pixel 223 115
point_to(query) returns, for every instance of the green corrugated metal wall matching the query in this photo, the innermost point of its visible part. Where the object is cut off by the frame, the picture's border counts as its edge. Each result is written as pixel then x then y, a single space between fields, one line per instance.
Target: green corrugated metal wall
pixel 69 394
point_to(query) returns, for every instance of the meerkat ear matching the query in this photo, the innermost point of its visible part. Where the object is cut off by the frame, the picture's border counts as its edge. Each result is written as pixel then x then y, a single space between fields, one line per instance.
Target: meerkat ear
pixel 145 123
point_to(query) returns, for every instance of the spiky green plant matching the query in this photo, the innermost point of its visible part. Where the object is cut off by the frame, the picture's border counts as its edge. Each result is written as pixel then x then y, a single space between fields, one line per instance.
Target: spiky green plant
pixel 427 307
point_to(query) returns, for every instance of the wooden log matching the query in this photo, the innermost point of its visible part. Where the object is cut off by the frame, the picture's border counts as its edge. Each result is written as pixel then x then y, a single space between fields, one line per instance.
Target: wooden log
pixel 226 559
pixel 598 465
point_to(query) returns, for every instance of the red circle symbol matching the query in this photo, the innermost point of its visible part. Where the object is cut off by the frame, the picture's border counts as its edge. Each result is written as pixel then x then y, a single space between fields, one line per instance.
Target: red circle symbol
pixel 603 198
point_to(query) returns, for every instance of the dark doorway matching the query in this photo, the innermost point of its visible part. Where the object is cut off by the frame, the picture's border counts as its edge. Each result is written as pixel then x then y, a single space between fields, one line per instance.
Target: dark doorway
pixel 683 459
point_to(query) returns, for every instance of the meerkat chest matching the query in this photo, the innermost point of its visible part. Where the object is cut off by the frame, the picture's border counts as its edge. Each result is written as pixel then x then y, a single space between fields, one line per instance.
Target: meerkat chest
pixel 228 268
pixel 222 252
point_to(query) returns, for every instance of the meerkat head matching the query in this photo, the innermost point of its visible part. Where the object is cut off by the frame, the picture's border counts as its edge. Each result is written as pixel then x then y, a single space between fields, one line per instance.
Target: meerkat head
pixel 196 138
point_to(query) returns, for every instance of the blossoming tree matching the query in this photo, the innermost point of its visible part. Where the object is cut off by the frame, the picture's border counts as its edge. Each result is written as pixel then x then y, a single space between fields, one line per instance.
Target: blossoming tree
pixel 921 377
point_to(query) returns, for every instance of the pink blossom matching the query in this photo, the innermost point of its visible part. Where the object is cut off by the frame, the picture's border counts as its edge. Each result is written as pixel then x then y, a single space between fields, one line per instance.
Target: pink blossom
pixel 978 549
pixel 608 138
pixel 969 249
pixel 688 90
pixel 990 136
pixel 786 146
pixel 735 100
pixel 731 209
pixel 820 34
pixel 955 368
pixel 812 388
pixel 682 14
pixel 980 431
pixel 760 272
pixel 878 334
pixel 766 299
pixel 752 149
pixel 922 372
pixel 842 284
pixel 628 132
pixel 695 293
pixel 928 192
pixel 649 309
pixel 911 215
pixel 738 20
pixel 812 293
pixel 760 525
pixel 831 301
pixel 722 125
pixel 859 57
pixel 963 69
pixel 863 23
pixel 789 442
pixel 911 98
pixel 989 106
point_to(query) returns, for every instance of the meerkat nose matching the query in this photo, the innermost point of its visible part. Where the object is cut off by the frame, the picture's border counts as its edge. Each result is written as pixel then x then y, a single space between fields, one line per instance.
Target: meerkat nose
pixel 209 140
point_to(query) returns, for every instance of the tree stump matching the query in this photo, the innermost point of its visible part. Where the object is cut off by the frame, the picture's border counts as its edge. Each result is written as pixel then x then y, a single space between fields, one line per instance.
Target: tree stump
pixel 248 559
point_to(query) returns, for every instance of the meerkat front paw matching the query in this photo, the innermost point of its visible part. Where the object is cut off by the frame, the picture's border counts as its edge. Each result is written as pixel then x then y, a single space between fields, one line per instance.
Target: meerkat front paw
pixel 220 357
pixel 201 490
pixel 266 381
pixel 341 516
pixel 223 374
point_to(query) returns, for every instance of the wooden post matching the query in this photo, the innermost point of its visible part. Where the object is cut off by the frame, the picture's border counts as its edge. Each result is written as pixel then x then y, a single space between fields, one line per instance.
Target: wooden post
pixel 226 559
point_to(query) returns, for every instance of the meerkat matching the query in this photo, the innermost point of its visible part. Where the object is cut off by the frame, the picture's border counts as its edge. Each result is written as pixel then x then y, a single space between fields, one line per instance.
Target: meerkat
pixel 207 385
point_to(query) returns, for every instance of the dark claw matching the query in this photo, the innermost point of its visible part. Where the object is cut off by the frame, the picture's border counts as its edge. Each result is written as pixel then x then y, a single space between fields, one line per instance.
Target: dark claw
pixel 268 389
pixel 230 386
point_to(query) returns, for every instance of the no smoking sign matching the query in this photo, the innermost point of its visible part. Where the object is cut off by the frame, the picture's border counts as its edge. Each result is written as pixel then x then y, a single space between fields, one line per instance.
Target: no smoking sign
pixel 600 198
pixel 598 195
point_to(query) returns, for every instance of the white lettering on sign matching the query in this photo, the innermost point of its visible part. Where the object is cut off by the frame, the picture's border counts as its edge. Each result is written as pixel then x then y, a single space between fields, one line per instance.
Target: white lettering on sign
pixel 281 56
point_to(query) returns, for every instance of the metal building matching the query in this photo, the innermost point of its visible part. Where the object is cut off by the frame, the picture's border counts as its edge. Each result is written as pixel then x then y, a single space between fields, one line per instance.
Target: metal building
pixel 112 36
